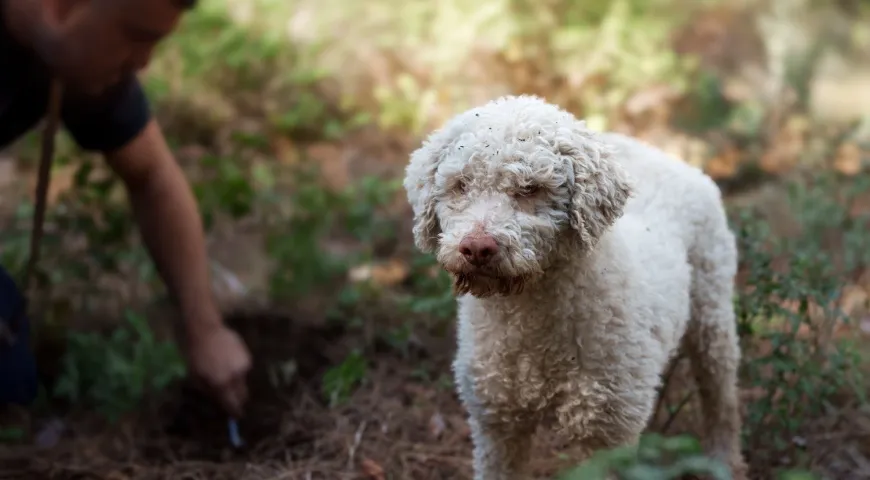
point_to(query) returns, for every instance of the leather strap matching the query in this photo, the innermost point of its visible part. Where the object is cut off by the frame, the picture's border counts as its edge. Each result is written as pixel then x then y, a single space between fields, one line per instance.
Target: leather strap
pixel 45 160
pixel 8 334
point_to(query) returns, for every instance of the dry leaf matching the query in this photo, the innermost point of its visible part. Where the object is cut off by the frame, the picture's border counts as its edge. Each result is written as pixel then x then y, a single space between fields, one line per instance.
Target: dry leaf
pixel 651 98
pixel 372 469
pixel 285 150
pixel 331 164
pixel 777 161
pixel 723 165
pixel 391 273
pixel 360 273
pixel 853 299
pixel 848 159
pixel 786 146
pixel 387 274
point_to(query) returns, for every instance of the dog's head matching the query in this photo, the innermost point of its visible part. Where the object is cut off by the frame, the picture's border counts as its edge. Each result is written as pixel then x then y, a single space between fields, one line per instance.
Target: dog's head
pixel 502 190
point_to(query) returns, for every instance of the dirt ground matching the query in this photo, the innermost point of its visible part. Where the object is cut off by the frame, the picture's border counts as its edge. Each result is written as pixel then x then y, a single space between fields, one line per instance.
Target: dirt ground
pixel 400 424
pixel 397 425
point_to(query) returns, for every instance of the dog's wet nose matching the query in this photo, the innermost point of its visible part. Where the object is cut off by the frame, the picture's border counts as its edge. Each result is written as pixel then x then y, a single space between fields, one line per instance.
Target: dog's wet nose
pixel 478 250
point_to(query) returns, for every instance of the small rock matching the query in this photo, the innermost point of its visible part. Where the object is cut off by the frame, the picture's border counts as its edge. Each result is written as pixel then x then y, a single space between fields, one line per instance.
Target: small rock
pixel 437 425
pixel 50 434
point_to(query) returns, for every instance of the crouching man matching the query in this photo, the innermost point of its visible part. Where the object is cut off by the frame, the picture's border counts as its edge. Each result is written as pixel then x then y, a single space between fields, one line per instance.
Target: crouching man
pixel 95 48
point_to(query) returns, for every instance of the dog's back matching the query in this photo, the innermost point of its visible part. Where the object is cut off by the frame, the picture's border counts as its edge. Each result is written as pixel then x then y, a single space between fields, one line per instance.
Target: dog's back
pixel 668 193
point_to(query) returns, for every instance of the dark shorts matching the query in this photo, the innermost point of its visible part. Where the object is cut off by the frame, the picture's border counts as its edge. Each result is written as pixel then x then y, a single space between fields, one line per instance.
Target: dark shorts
pixel 18 378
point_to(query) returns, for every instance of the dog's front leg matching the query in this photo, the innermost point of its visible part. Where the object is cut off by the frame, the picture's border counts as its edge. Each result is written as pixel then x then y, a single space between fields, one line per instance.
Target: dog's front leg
pixel 500 431
pixel 501 450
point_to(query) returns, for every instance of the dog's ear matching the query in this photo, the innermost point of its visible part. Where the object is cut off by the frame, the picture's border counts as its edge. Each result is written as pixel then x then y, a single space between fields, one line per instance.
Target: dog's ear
pixel 599 186
pixel 420 178
pixel 420 185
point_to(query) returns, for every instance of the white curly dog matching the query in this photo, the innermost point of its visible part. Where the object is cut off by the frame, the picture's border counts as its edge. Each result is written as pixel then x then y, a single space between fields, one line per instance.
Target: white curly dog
pixel 582 262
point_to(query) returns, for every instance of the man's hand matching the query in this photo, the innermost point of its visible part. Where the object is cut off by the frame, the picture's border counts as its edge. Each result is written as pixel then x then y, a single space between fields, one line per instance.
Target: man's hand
pixel 169 220
pixel 218 357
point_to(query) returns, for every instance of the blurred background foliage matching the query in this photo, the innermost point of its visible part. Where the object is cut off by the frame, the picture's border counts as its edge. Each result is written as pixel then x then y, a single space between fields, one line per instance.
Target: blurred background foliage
pixel 294 120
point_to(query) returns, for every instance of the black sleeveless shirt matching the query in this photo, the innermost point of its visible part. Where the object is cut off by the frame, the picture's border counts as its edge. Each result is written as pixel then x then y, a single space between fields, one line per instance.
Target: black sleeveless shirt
pixel 100 123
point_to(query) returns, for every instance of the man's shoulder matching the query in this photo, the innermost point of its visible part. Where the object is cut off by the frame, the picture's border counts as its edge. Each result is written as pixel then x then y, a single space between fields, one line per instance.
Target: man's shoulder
pixel 15 60
pixel 20 69
pixel 103 122
pixel 23 92
pixel 110 120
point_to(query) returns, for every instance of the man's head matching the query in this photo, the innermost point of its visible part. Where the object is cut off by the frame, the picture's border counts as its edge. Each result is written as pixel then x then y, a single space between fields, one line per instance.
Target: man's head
pixel 504 191
pixel 91 44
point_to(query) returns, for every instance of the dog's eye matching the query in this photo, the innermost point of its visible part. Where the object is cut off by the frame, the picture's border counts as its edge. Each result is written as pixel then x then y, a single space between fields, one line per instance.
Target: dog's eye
pixel 527 191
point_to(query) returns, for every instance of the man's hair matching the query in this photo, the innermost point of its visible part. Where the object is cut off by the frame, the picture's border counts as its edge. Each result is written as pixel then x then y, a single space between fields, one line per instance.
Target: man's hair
pixel 182 4
pixel 185 4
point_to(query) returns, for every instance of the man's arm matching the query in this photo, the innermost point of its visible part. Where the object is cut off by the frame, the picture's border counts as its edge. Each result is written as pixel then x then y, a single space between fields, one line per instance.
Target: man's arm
pixel 172 230
pixel 170 224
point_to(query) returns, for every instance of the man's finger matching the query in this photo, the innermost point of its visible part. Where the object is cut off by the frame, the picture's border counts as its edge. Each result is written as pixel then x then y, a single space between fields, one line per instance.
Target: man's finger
pixel 230 401
pixel 240 393
pixel 233 395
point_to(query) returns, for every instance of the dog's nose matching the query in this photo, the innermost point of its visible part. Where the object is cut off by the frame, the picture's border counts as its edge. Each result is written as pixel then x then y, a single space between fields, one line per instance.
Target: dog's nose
pixel 478 250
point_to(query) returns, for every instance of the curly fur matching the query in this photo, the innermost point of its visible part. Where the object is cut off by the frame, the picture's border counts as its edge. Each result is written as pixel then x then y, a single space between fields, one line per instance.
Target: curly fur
pixel 611 257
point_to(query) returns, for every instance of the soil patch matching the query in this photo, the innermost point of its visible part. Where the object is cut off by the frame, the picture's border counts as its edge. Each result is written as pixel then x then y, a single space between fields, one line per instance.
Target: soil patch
pixel 400 422
pixel 403 422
